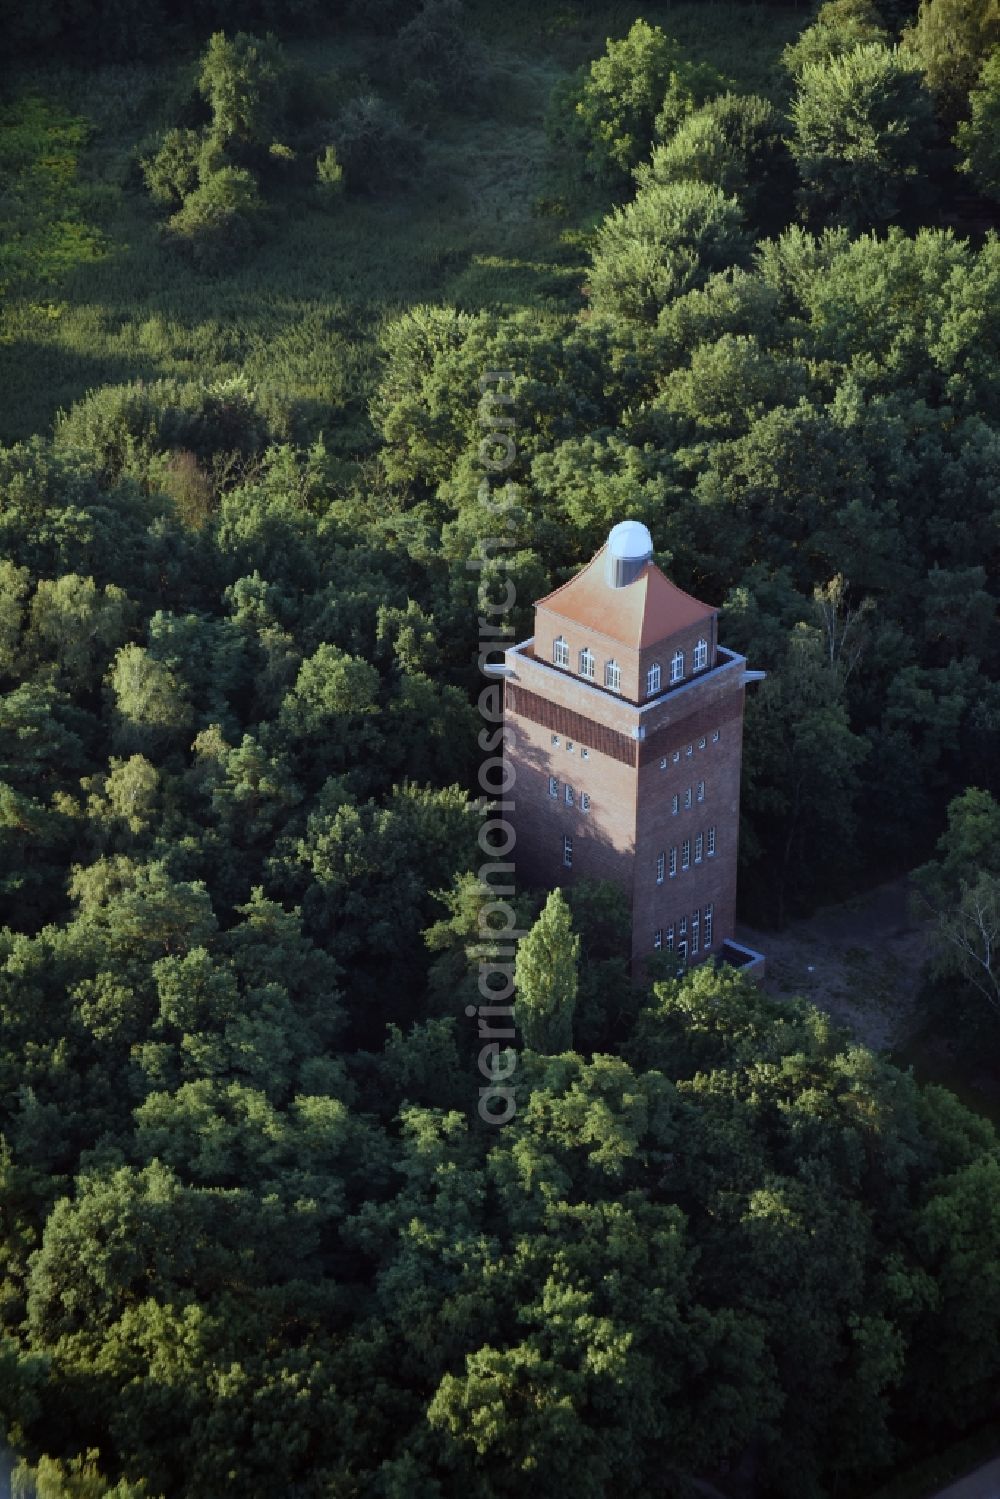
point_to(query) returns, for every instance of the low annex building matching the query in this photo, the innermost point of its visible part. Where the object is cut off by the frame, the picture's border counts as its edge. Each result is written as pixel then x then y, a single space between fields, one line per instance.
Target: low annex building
pixel 624 725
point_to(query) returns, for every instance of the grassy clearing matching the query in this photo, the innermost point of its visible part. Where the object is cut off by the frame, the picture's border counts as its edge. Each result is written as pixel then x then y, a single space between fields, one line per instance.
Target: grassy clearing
pixel 46 226
pixel 98 298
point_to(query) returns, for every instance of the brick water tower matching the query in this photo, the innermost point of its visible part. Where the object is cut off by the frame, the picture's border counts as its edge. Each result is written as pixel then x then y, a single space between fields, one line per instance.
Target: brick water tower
pixel 624 718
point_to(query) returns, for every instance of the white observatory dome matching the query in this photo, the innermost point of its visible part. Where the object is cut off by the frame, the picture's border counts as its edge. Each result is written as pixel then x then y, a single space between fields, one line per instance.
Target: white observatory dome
pixel 630 547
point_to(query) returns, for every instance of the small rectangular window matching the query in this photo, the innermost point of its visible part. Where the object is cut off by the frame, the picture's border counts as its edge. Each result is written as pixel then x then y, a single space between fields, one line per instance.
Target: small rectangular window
pixel 568 793
pixel 553 786
pixel 687 797
pixel 701 791
pixel 701 742
pixel 585 754
pixel 555 738
pixel 560 651
pixel 711 842
pixel 670 937
pixel 689 750
pixel 715 735
pixel 585 801
pixel 661 865
pixel 612 676
pixel 686 854
pixel 675 804
pixel 663 763
pixel 568 852
pixel 695 930
pixel 652 680
pixel 569 745
pixel 658 937
pixel 699 845
pixel 677 666
pixel 676 757
pixel 673 861
pixel 708 927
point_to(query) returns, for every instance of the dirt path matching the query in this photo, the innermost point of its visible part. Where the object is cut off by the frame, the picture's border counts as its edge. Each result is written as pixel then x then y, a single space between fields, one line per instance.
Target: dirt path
pixel 860 961
pixel 983 1484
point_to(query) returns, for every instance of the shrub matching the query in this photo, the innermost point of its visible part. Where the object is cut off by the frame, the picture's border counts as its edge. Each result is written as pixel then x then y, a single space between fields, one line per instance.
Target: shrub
pixel 377 150
pixel 669 240
pixel 840 26
pixel 435 48
pixel 120 428
pixel 611 110
pixel 109 428
pixel 172 173
pixel 220 220
pixel 245 83
pixel 978 138
pixel 863 125
pixel 329 175
pixel 736 143
pixel 691 85
pixel 950 41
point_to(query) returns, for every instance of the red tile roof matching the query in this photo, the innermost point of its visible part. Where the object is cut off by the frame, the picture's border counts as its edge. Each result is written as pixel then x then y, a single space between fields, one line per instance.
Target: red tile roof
pixel 643 613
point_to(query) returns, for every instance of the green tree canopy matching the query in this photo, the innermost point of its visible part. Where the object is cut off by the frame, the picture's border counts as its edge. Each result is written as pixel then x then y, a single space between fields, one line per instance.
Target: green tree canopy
pixel 862 128
pixel 664 243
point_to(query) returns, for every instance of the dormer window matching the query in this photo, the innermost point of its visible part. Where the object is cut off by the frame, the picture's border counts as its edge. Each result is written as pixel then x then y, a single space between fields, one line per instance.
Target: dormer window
pixel 653 679
pixel 677 667
pixel 613 676
pixel 701 655
pixel 587 662
pixel 560 651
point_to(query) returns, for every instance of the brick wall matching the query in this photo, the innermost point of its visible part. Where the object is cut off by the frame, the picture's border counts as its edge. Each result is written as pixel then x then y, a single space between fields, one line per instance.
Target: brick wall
pixel 549 627
pixel 684 640
pixel 712 879
pixel 603 837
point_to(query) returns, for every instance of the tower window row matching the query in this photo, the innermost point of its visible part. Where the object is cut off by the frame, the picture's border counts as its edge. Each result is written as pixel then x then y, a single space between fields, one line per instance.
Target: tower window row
pixel 587 665
pixel 571 746
pixel 569 795
pixel 675 937
pixel 701 847
pixel 692 794
pixel 675 757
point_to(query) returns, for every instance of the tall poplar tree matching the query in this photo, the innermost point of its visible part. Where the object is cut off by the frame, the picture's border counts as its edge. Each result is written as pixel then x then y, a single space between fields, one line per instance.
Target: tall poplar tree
pixel 546 977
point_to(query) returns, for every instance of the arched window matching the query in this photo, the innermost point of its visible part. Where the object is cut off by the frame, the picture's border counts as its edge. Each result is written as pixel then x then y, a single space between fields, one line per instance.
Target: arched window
pixel 613 676
pixel 587 662
pixel 653 679
pixel 560 651
pixel 677 667
pixel 701 655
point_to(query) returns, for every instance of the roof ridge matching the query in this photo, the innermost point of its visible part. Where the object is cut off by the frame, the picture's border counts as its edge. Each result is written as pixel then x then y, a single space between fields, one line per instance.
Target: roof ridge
pixel 578 574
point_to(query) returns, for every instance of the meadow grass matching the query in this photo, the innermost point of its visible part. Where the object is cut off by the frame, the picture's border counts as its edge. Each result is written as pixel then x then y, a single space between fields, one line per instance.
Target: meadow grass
pixel 95 296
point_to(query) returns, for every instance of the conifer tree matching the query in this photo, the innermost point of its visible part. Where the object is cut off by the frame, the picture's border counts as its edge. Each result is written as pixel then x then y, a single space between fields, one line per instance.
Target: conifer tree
pixel 546 977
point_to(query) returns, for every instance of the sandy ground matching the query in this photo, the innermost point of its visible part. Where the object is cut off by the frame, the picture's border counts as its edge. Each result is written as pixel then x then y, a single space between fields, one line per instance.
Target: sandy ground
pixel 860 961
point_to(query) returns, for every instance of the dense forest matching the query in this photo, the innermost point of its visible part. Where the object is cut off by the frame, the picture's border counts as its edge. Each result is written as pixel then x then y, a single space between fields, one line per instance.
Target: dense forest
pixel 255 1238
